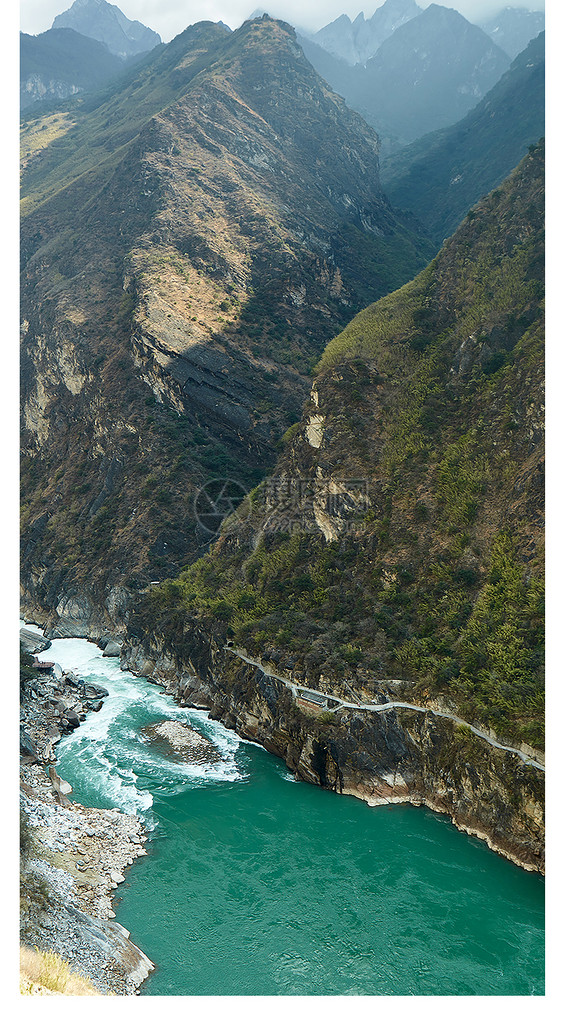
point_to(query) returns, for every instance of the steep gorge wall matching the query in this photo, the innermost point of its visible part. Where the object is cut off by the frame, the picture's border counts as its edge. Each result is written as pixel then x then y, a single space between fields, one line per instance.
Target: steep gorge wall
pixel 388 757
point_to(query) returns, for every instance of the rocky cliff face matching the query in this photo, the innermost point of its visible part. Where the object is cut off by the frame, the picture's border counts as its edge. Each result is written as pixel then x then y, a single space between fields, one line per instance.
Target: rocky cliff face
pixel 61 63
pixel 391 757
pixel 188 247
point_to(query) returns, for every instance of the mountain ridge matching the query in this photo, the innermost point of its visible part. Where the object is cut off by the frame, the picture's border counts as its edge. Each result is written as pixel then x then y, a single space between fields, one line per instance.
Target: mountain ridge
pixel 192 241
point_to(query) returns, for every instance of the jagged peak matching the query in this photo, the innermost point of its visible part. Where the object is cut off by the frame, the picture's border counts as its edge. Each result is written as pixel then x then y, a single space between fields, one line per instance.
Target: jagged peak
pixel 107 23
pixel 343 19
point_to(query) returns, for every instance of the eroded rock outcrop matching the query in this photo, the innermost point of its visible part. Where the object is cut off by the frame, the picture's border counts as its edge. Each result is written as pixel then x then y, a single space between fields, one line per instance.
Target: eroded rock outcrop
pixel 182 741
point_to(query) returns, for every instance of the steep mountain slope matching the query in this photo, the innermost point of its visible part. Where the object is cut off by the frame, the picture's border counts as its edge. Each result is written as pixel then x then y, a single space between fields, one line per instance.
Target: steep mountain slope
pixel 401 534
pixel 442 175
pixel 345 79
pixel 105 22
pixel 191 240
pixel 429 73
pixel 513 28
pixel 395 555
pixel 357 41
pixel 60 63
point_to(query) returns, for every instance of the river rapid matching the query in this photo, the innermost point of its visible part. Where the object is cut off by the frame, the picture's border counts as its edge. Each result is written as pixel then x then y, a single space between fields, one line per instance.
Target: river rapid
pixel 255 884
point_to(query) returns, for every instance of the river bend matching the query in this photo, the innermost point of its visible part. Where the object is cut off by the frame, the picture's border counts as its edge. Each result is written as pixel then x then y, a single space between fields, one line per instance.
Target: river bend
pixel 255 884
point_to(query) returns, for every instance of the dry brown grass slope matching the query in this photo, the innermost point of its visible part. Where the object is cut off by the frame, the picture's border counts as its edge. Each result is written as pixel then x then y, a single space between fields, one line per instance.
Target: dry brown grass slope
pixel 44 973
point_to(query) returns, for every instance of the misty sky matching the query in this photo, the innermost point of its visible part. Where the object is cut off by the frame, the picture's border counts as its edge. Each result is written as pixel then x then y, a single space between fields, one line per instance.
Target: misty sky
pixel 169 17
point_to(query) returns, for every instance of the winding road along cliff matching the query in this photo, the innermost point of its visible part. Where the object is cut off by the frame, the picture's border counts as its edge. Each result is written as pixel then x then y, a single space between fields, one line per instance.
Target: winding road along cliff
pixel 378 752
pixel 295 688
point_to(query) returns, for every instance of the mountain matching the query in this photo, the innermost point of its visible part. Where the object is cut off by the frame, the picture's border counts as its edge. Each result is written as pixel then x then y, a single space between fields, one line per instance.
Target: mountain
pixel 440 176
pixel 191 238
pixel 355 42
pixel 513 28
pixel 395 553
pixel 429 73
pixel 106 23
pixel 419 458
pixel 60 63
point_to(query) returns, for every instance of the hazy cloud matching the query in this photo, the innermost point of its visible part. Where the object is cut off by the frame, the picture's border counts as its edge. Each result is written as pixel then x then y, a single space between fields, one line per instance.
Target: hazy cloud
pixel 169 17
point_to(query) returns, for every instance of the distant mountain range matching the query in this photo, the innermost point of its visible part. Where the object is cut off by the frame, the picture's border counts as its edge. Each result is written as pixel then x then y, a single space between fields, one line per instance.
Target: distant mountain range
pixel 440 176
pixel 430 72
pixel 426 75
pixel 357 41
pixel 106 23
pixel 407 71
pixel 60 63
pixel 513 28
pixel 87 46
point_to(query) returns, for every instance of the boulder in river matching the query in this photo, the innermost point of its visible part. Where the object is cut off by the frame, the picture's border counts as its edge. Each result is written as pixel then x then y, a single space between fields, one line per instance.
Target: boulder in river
pixel 94 692
pixel 58 783
pixel 27 747
pixel 71 717
pixel 112 650
pixel 188 744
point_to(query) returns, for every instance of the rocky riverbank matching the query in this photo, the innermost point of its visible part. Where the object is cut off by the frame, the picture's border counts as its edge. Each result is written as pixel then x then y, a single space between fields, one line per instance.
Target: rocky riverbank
pixel 72 857
pixel 53 704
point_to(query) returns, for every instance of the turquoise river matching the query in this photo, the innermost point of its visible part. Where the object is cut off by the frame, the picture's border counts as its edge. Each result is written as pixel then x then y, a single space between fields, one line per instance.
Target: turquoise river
pixel 256 884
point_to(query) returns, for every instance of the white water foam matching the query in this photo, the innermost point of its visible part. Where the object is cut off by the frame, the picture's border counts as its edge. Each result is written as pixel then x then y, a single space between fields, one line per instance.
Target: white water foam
pixel 107 753
pixel 287 776
pixel 32 627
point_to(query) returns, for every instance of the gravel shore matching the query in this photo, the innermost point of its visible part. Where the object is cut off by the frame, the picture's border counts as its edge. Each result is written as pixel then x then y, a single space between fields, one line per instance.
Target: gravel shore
pixel 73 858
